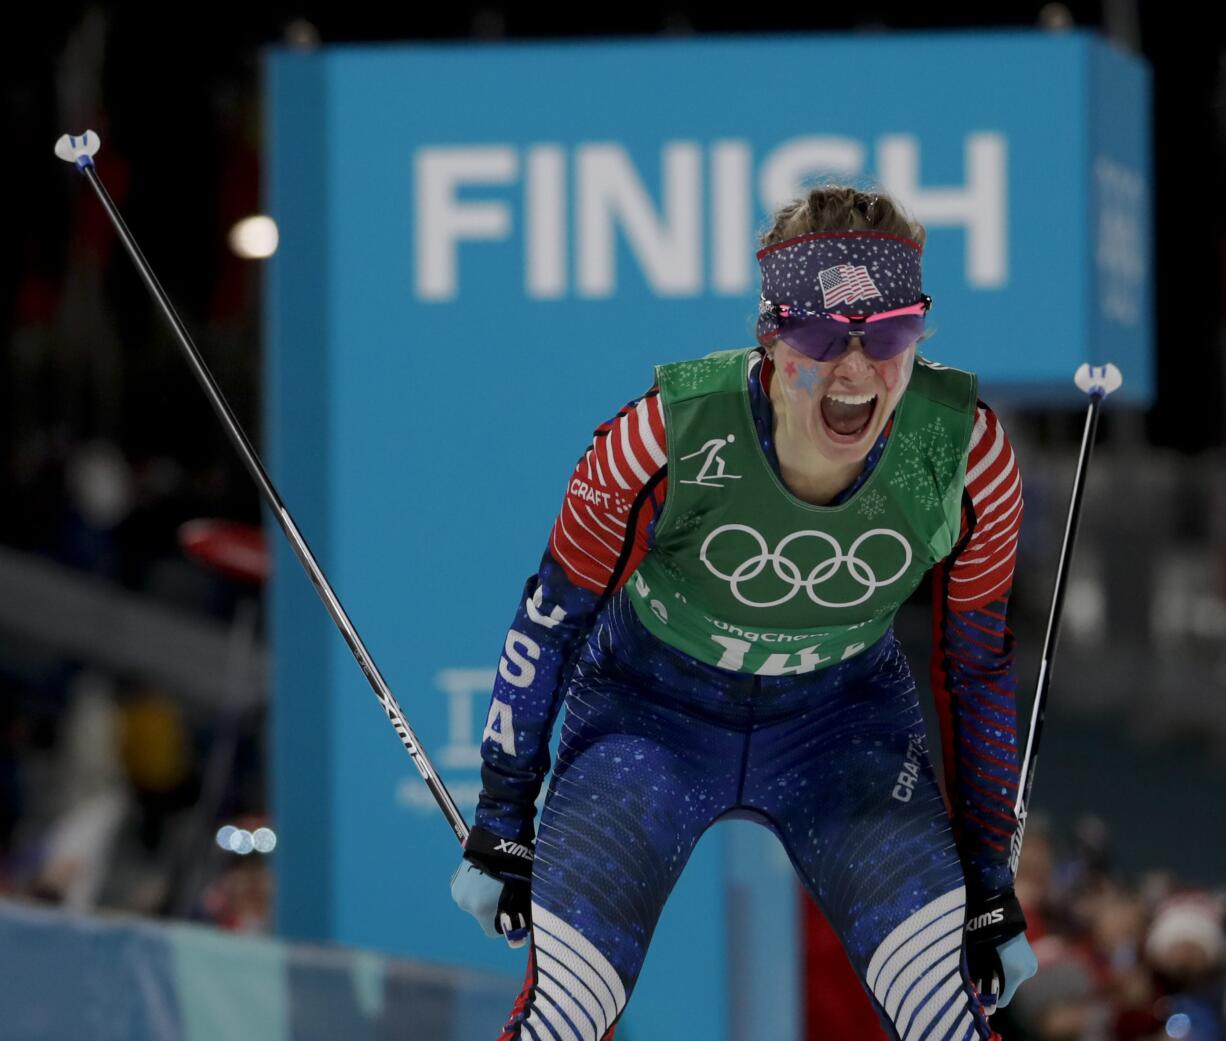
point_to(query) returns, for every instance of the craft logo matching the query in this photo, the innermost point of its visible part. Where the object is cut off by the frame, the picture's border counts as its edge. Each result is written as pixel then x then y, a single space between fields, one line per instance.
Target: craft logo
pixel 904 787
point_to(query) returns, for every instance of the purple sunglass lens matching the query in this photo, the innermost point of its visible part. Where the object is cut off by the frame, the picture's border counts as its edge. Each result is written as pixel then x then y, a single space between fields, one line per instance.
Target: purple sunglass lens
pixel 825 339
pixel 891 336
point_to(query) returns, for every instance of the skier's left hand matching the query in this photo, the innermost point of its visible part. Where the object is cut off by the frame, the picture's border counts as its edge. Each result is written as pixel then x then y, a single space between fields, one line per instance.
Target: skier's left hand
pixel 998 954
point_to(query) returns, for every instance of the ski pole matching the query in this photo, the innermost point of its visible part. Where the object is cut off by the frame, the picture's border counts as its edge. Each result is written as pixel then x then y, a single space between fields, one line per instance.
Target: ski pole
pixel 1097 381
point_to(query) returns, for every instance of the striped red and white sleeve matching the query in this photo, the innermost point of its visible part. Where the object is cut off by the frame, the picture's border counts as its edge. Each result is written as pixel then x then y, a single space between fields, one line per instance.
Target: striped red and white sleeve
pixel 983 569
pixel 603 530
pixel 973 677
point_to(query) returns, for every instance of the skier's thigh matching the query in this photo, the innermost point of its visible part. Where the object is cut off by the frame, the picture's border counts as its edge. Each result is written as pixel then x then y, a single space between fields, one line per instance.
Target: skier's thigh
pixel 876 852
pixel 619 823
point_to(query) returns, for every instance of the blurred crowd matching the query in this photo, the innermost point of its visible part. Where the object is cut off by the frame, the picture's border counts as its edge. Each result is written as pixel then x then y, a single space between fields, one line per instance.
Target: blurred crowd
pixel 112 785
pixel 1119 960
pixel 105 801
pixel 101 808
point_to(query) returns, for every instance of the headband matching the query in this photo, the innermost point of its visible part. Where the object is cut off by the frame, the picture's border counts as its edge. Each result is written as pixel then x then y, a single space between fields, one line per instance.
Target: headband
pixel 844 272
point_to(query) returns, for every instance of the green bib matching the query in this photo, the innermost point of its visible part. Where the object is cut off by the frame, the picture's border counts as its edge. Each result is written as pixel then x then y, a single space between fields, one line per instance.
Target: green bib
pixel 746 576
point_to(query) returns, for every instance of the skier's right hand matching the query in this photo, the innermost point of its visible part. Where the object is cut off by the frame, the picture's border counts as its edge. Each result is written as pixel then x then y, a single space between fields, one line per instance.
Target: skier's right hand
pixel 493 884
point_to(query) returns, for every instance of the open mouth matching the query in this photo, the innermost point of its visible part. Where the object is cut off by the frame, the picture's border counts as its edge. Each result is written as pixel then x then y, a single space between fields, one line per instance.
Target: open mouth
pixel 847 416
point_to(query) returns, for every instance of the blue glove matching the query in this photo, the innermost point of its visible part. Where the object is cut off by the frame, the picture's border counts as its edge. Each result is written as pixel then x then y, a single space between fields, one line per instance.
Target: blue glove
pixel 477 893
pixel 492 884
pixel 998 956
pixel 1018 963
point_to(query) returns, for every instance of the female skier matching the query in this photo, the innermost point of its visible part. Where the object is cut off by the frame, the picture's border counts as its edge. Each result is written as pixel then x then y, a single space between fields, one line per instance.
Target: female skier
pixel 715 610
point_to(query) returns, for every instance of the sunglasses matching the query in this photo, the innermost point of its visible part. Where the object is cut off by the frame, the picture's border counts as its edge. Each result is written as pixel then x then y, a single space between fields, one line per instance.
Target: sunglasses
pixel 823 336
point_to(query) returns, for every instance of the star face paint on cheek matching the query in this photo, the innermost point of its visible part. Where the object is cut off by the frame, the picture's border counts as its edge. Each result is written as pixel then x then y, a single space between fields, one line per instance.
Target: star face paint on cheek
pixel 893 372
pixel 806 379
pixel 790 369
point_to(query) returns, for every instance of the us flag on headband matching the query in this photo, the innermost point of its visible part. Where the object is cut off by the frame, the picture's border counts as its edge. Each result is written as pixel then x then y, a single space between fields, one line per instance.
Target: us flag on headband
pixel 845 284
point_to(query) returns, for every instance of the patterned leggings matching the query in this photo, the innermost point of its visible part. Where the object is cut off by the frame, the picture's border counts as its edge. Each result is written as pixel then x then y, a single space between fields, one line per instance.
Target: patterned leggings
pixel 656 747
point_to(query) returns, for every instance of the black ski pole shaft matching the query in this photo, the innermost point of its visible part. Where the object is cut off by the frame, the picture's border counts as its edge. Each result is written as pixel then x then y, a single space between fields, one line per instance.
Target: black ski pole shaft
pixel 1097 382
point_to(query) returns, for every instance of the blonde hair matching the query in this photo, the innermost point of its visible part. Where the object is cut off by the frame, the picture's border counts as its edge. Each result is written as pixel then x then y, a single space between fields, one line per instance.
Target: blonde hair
pixel 840 207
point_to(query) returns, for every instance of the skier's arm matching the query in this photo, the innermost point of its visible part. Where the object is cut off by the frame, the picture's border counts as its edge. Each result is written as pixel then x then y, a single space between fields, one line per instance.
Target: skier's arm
pixel 598 539
pixel 973 676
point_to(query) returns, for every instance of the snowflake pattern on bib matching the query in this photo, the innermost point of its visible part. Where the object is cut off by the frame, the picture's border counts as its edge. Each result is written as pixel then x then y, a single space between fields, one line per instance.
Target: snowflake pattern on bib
pixel 696 374
pixel 871 504
pixel 924 463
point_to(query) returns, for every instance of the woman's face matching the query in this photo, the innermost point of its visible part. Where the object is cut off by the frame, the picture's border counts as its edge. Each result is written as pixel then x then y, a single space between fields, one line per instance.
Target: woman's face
pixel 840 407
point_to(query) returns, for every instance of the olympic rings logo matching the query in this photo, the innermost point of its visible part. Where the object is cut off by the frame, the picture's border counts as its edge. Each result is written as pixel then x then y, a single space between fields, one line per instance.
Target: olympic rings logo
pixel 787 571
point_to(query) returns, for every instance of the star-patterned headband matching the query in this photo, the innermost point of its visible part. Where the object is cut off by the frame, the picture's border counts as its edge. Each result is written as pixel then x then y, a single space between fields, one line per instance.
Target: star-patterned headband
pixel 844 272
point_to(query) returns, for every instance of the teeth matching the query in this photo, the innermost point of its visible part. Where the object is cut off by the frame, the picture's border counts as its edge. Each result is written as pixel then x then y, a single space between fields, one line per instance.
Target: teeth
pixel 852 399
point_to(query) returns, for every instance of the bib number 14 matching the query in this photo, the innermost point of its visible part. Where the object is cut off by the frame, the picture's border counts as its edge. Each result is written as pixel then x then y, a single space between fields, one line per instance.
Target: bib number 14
pixel 796 663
